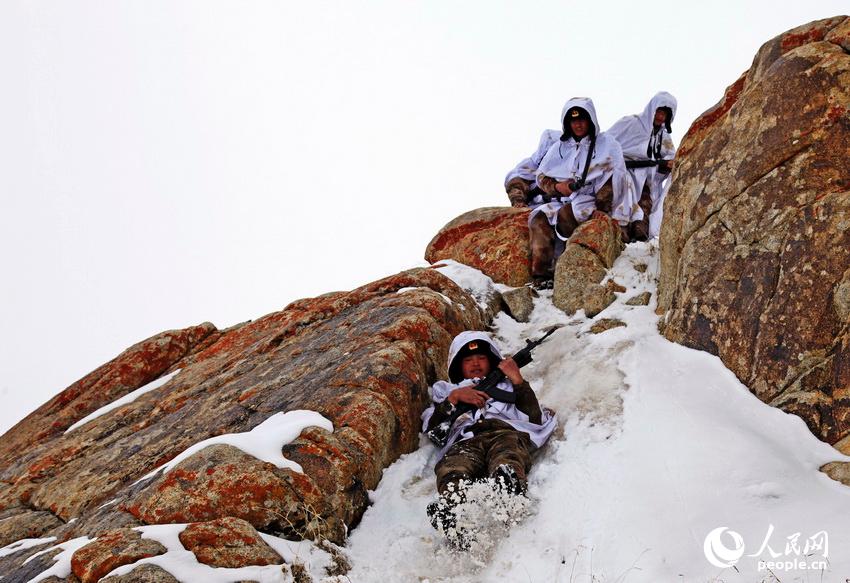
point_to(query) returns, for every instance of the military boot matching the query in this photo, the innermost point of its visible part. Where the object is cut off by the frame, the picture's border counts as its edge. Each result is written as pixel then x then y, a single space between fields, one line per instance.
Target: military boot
pixel 639 230
pixel 505 479
pixel 441 511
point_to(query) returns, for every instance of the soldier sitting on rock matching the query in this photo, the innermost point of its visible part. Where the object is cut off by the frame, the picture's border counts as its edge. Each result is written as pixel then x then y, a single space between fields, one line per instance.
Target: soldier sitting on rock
pixel 582 172
pixel 649 151
pixel 494 440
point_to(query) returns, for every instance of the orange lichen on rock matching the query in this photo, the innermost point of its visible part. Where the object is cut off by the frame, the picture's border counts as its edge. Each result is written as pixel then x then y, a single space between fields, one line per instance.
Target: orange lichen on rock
pixel 761 184
pixel 803 35
pixel 493 240
pixel 706 120
pixel 228 543
pixel 110 551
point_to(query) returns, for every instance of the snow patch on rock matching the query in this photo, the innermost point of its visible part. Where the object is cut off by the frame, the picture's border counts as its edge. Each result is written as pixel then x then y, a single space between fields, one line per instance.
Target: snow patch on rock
pixel 125 400
pixel 264 442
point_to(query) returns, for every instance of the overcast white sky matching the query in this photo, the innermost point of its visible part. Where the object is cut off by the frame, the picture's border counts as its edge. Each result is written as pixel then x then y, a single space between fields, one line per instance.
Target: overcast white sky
pixel 164 163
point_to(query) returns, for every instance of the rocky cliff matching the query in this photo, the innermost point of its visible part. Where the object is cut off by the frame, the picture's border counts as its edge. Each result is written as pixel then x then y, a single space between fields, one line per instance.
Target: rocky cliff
pixel 762 183
pixel 362 359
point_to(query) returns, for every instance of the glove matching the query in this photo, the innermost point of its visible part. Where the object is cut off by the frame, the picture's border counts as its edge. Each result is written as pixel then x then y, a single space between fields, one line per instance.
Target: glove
pixel 547 185
pixel 571 187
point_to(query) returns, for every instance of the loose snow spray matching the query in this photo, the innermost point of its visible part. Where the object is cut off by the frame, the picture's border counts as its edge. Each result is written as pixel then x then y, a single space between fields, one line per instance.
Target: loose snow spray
pixel 481 513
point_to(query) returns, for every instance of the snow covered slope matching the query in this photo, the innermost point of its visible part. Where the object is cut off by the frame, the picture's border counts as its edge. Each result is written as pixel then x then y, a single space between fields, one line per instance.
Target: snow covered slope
pixel 658 446
pixel 664 468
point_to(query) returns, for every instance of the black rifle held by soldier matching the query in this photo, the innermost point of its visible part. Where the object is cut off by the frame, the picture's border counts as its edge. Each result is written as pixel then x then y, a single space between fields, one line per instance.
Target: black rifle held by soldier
pixel 663 165
pixel 440 434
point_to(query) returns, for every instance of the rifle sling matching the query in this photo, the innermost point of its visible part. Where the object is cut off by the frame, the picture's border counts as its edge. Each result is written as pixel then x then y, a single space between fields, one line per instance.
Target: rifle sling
pixel 589 156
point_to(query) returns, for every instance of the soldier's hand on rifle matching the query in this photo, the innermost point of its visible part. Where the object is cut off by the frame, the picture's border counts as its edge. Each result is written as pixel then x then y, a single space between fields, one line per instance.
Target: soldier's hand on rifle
pixel 564 188
pixel 666 166
pixel 511 370
pixel 547 184
pixel 468 395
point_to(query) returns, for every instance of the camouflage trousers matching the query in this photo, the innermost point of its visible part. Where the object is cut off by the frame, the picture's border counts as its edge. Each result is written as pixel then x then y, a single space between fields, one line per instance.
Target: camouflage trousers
pixel 495 443
pixel 639 230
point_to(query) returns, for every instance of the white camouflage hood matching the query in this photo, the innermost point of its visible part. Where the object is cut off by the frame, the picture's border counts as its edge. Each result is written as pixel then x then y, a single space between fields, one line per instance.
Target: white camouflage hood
pixel 465 337
pixel 633 132
pixel 661 99
pixel 584 103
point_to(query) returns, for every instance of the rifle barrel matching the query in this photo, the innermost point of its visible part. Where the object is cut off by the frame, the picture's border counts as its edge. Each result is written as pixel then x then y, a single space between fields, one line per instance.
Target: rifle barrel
pixel 641 163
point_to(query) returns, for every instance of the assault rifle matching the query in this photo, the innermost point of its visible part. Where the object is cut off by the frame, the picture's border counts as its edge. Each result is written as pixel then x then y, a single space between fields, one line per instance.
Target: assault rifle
pixel 575 186
pixel 578 183
pixel 663 165
pixel 440 434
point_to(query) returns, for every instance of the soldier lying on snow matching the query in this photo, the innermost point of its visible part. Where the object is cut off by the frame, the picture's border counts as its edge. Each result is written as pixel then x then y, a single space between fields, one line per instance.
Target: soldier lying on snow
pixel 649 151
pixel 581 171
pixel 494 440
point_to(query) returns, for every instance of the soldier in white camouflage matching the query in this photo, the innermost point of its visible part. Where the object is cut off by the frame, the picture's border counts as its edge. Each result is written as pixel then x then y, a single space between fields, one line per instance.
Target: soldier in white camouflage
pixel 494 440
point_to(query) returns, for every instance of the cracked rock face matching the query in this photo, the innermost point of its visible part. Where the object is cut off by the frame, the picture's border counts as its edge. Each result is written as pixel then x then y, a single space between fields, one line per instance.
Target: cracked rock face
pixel 145 573
pixel 520 302
pixel 111 550
pixel 590 252
pixel 228 542
pixel 363 359
pixel 755 244
pixel 19 523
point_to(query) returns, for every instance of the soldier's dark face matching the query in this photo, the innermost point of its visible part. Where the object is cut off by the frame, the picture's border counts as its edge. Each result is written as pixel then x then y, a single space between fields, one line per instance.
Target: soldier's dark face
pixel 660 117
pixel 475 365
pixel 579 126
